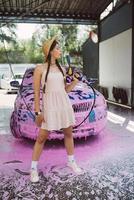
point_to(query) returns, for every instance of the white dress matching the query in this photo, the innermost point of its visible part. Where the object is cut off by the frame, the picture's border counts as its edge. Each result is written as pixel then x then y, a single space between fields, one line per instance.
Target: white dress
pixel 56 106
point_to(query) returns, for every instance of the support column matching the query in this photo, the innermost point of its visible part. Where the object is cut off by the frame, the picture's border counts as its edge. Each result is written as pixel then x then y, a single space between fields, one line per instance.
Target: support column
pixel 132 74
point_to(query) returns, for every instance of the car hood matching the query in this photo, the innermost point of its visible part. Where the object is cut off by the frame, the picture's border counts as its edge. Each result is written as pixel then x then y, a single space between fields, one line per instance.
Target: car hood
pixel 84 93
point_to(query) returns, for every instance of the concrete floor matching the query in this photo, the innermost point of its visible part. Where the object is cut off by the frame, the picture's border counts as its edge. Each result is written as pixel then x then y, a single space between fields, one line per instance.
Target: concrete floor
pixel 107 161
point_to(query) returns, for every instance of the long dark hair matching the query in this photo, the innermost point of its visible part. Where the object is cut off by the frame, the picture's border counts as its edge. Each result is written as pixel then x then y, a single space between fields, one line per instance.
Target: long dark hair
pixel 49 62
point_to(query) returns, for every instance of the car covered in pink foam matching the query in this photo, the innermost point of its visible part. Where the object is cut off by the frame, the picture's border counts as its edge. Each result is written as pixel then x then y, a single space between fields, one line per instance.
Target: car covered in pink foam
pixel 22 121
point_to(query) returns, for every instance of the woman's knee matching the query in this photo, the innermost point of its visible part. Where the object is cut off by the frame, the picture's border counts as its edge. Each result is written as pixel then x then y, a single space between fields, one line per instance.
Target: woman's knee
pixel 42 137
pixel 68 132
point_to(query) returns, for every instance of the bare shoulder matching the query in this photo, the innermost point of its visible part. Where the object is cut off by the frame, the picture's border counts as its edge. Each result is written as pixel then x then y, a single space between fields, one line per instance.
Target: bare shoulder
pixel 39 68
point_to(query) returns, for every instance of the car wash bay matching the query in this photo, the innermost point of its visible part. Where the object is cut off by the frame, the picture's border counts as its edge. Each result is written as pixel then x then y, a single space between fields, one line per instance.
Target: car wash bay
pixel 107 159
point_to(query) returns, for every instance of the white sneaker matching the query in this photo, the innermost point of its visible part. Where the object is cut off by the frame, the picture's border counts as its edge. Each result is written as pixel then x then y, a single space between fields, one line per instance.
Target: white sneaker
pixel 34 177
pixel 73 165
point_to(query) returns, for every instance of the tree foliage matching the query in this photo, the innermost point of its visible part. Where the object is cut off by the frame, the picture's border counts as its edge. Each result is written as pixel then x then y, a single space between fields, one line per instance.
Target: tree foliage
pixel 7 32
pixel 30 51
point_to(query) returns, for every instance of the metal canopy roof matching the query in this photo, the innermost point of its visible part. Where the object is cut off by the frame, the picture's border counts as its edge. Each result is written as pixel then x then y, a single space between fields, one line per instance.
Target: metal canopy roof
pixel 52 11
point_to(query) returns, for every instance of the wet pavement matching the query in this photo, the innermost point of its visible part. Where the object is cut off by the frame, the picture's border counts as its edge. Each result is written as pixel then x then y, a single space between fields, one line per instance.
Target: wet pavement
pixel 107 161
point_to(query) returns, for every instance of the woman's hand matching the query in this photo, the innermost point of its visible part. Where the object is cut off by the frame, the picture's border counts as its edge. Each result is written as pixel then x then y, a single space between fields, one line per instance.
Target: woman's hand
pixel 76 77
pixel 39 119
pixel 69 87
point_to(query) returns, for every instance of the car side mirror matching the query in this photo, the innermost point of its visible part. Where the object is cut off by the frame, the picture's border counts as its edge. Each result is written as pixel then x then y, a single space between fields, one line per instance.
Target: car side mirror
pixel 15 84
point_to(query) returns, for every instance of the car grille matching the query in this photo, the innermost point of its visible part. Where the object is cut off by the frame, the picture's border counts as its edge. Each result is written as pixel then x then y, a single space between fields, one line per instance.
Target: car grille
pixel 82 107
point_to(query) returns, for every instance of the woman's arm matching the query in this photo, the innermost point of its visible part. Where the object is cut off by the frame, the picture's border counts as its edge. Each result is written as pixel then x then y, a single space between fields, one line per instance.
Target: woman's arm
pixel 36 85
pixel 69 87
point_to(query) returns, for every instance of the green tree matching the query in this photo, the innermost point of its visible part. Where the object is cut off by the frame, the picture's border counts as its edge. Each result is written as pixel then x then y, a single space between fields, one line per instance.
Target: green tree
pixel 7 32
pixel 30 51
pixel 7 41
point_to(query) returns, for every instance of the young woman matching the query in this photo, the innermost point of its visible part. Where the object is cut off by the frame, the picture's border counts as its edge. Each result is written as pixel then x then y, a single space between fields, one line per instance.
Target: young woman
pixel 57 112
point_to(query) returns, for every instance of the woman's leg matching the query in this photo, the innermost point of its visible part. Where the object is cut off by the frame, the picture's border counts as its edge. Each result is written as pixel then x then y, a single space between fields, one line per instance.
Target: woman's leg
pixel 69 144
pixel 38 147
pixel 68 140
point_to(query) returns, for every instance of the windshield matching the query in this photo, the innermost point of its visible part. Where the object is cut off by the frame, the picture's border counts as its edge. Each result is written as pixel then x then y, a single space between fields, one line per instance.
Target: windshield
pixel 18 76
